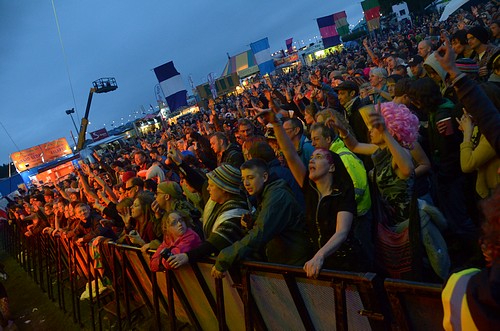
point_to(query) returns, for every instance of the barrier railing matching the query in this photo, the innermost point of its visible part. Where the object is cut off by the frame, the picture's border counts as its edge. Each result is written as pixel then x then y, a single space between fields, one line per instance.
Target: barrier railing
pixel 252 296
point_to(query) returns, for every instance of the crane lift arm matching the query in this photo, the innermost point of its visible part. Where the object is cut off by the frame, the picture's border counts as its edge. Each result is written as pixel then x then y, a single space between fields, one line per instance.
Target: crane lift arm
pixel 102 85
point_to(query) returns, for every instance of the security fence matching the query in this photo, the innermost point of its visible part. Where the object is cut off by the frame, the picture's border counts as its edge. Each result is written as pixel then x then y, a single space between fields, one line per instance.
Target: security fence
pixel 122 293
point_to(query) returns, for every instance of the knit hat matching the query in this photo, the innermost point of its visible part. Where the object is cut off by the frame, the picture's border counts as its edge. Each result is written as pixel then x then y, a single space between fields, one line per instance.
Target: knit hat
pixel 127 175
pixel 380 72
pixel 467 65
pixel 171 188
pixel 227 178
pixel 480 33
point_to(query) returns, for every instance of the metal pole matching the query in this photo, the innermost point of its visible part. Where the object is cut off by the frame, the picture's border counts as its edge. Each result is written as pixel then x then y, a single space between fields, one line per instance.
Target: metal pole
pixel 73 136
pixel 72 119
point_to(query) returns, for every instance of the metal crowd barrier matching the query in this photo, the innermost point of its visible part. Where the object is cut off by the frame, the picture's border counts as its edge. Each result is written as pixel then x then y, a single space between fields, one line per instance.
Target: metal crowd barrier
pixel 253 296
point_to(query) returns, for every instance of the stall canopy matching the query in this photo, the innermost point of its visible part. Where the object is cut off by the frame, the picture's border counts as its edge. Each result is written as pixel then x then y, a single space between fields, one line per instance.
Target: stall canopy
pixel 452 7
pixel 243 64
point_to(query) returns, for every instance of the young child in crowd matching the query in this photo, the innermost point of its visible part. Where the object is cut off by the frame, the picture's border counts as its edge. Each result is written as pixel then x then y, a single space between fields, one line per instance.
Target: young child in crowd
pixel 178 237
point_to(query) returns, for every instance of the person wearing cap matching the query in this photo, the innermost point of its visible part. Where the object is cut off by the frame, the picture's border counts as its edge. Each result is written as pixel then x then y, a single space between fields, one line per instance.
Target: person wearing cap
pixel 277 233
pixel 469 67
pixel 224 205
pixel 478 40
pixel 126 175
pixel 416 64
pixel 401 70
pixel 348 93
pixel 378 81
pixel 170 197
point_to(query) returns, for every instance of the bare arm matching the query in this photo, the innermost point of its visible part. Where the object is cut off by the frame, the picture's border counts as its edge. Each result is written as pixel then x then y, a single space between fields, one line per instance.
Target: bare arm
pixel 62 192
pixel 86 187
pixel 349 140
pixel 369 51
pixel 109 192
pixel 344 222
pixel 423 163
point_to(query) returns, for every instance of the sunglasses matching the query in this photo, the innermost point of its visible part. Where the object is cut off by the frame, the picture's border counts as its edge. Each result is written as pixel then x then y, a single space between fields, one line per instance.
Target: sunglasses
pixel 129 188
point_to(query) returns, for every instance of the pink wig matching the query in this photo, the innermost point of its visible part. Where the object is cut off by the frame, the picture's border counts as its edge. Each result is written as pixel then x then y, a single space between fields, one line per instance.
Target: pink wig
pixel 401 123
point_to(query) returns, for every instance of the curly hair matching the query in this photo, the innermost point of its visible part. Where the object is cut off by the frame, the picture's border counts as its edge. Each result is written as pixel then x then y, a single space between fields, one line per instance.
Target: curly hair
pixel 401 123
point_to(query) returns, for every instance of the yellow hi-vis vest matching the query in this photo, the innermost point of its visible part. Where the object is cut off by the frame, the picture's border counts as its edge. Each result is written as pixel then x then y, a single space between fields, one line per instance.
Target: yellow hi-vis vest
pixel 357 171
pixel 456 310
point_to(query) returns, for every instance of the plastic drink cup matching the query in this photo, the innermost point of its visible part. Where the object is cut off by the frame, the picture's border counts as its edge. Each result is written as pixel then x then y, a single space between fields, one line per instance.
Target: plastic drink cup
pixel 445 126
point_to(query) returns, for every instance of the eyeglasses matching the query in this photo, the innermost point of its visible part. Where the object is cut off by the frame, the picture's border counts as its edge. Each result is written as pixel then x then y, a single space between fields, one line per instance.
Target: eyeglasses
pixel 129 188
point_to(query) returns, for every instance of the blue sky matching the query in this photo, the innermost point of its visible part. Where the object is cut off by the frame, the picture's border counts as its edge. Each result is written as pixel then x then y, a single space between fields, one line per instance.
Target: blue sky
pixel 125 39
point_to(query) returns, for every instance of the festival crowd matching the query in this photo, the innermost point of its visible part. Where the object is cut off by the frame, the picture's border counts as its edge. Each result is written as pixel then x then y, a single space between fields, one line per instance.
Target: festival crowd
pixel 380 158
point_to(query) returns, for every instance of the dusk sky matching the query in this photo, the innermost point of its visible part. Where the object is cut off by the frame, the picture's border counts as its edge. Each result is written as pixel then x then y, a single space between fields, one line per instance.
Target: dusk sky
pixel 125 39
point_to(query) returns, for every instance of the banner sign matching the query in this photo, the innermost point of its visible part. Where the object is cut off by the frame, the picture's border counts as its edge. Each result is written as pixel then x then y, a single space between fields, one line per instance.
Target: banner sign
pixel 40 154
pixel 99 134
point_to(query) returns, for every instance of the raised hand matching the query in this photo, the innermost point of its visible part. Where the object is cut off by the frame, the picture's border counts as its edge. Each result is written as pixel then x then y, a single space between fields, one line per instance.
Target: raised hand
pixel 446 57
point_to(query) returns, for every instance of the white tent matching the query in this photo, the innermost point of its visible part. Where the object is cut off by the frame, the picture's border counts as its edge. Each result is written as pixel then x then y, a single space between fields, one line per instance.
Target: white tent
pixel 451 7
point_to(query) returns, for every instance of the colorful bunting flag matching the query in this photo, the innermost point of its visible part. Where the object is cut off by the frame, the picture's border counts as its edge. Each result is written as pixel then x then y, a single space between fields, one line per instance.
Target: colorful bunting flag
pixel 172 85
pixel 262 55
pixel 289 46
pixel 371 9
pixel 341 24
pixel 328 32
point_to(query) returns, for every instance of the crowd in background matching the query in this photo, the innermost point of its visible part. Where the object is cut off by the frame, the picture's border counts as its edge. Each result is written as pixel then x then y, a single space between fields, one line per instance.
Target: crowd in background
pixel 376 158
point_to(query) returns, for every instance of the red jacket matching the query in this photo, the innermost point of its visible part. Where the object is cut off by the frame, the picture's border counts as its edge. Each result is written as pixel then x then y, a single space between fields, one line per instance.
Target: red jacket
pixel 183 244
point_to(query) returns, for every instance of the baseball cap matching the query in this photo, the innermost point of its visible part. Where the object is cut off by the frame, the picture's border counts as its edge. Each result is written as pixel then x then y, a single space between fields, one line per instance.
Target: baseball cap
pixel 348 85
pixel 416 59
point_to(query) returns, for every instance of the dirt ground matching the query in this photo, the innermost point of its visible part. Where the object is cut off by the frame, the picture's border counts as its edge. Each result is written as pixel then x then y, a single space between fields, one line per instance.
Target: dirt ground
pixel 31 309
